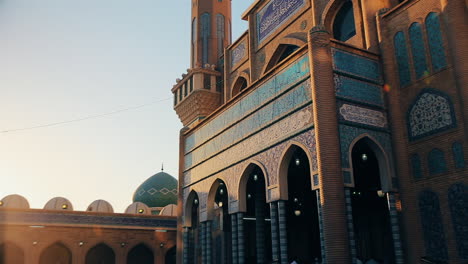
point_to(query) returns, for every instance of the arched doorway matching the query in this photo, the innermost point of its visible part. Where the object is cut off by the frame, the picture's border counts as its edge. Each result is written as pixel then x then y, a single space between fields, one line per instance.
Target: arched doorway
pixel 11 254
pixel 257 220
pixel 57 253
pixel 371 217
pixel 302 214
pixel 140 254
pixel 171 256
pixel 193 245
pixel 221 223
pixel 100 254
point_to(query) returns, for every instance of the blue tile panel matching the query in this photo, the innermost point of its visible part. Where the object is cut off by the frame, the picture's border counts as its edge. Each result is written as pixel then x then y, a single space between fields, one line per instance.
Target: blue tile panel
pixel 431 222
pixel 436 43
pixel 273 87
pixel 347 177
pixel 418 50
pixel 431 112
pixel 416 166
pixel 238 53
pixel 458 202
pixel 349 133
pixel 274 14
pixel 39 217
pixel 458 155
pixel 356 66
pixel 287 103
pixel 436 162
pixel 401 56
pixel 360 91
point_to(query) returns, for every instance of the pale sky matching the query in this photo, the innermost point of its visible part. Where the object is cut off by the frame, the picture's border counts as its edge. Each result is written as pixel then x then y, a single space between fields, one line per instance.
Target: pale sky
pixel 62 60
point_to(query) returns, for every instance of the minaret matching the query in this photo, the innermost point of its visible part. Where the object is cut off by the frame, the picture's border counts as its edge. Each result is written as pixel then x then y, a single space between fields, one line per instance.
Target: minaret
pixel 199 92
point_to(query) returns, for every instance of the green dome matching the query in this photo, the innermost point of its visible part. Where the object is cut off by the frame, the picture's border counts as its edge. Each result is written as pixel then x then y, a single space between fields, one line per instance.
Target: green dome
pixel 157 191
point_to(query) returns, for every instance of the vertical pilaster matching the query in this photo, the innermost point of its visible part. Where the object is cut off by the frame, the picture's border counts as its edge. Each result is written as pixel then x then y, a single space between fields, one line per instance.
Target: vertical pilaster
pixel 209 242
pixel 320 220
pixel 185 252
pixel 240 238
pixel 274 231
pixel 234 238
pixel 349 220
pixel 202 242
pixel 283 235
pixel 260 229
pixel 395 228
pixel 328 147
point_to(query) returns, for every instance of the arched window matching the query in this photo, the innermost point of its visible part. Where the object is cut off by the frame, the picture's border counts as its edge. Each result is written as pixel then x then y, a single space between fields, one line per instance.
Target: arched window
pixel 401 56
pixel 436 162
pixel 436 44
pixel 431 222
pixel 416 166
pixel 281 53
pixel 220 33
pixel 458 155
pixel 344 27
pixel 194 41
pixel 417 49
pixel 205 34
pixel 458 202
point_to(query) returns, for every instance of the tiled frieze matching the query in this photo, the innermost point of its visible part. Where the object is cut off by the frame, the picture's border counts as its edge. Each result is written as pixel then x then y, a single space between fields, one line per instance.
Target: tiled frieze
pixel 270 113
pixel 275 14
pixel 431 112
pixel 359 91
pixel 275 86
pixel 356 66
pixel 362 115
pixel 349 133
pixel 238 53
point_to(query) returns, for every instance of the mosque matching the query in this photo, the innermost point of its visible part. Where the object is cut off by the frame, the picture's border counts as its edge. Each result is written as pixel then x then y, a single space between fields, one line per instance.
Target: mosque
pixel 331 131
pixel 144 234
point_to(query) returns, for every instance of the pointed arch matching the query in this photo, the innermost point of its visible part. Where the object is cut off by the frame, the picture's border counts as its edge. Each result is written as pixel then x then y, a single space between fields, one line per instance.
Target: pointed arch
pixel 212 196
pixel 383 159
pixel 284 163
pixel 140 254
pixel 191 200
pixel 57 252
pixel 282 52
pixel 242 186
pixel 101 253
pixel 171 255
pixel 11 253
pixel 239 85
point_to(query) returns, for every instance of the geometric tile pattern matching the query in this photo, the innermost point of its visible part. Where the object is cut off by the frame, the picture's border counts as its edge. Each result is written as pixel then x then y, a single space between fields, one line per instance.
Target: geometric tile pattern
pixel 431 222
pixel 458 202
pixel 430 113
pixel 436 44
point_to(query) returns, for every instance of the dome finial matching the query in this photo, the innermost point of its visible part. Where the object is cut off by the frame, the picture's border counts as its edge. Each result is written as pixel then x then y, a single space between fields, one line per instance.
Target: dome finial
pixel 162 166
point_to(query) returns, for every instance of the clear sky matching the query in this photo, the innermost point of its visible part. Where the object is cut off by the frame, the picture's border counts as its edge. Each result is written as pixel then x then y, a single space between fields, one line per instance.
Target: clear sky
pixel 62 60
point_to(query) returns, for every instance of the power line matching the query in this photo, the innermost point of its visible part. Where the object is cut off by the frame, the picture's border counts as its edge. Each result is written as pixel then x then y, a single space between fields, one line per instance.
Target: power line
pixel 84 118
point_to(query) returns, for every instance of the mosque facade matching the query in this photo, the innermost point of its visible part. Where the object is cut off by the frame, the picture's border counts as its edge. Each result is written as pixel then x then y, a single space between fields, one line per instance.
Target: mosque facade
pixel 331 131
pixel 144 234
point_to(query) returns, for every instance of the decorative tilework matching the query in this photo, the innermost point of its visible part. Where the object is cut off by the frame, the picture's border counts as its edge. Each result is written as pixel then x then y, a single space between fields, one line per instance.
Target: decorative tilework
pixel 430 113
pixel 436 162
pixel 417 49
pixel 283 106
pixel 458 201
pixel 238 53
pixel 361 115
pixel 433 230
pixel 352 89
pixel 401 56
pixel 274 14
pixel 416 166
pixel 436 44
pixel 458 155
pixel 356 65
pixel 278 84
pixel 349 133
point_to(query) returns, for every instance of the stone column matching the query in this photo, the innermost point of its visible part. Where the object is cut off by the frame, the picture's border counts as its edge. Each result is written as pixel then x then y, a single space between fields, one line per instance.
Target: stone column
pixel 240 238
pixel 328 147
pixel 349 220
pixel 395 228
pixel 234 238
pixel 283 234
pixel 260 229
pixel 185 252
pixel 274 231
pixel 209 242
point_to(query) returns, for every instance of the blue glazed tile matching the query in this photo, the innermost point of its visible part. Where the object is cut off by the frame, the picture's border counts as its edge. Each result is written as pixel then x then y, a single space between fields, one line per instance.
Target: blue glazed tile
pixel 458 155
pixel 418 50
pixel 436 162
pixel 436 44
pixel 356 65
pixel 401 56
pixel 349 88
